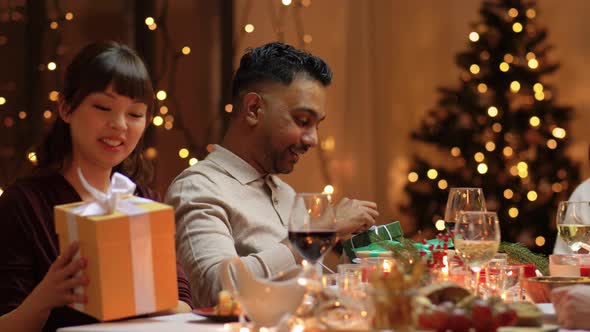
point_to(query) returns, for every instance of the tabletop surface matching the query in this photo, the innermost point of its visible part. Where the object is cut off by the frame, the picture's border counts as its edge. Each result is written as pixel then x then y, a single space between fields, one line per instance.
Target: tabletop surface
pixel 172 323
pixel 187 322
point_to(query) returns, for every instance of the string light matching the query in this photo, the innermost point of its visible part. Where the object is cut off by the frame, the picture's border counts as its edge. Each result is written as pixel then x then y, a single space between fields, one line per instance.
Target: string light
pixel 32 156
pixel 535 121
pixel 513 212
pixel 210 148
pixel 413 177
pixel 161 95
pixel 455 151
pixel 329 189
pixel 328 144
pixel 482 168
pixel 286 2
pixel 53 95
pixel 442 184
pixel 508 58
pixel 432 173
pixel 149 21
pixel 473 36
pixel 193 161
pixel 531 13
pixel 51 66
pixel 532 195
pixel 153 26
pixel 482 88
pixel 307 39
pixel 540 241
pixel 2 100
pixel 551 144
pixel 47 114
pixel 507 151
pixel 484 55
pixel 474 69
pixel 53 25
pixel 508 194
pixel 490 146
pixel 22 115
pixel 186 50
pixel 479 157
pixel 504 67
pixel 228 108
pixel 157 121
pixel 533 63
pixel 492 111
pixel 69 16
pixel 530 56
pixel 183 153
pixel 306 3
pixel 513 12
pixel 1 191
pixel 163 109
pixel 557 187
pixel 514 86
pixel 151 153
pixel 440 225
pixel 539 95
pixel 168 125
pixel 538 87
pixel 558 132
pixel 497 127
pixel 517 27
pixel 249 28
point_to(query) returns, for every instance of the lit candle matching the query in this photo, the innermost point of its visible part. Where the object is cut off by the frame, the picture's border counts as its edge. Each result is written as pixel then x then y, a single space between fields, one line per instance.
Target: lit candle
pixel 445 268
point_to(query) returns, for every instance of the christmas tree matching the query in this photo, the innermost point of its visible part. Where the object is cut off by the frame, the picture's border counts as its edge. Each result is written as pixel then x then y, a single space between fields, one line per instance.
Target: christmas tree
pixel 500 130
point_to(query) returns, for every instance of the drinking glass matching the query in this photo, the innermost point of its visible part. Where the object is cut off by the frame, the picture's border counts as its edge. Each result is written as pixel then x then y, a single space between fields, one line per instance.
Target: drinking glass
pixel 573 224
pixel 312 227
pixel 462 199
pixel 477 239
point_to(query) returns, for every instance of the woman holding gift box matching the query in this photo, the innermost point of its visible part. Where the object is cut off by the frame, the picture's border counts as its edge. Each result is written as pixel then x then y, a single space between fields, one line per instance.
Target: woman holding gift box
pixel 105 106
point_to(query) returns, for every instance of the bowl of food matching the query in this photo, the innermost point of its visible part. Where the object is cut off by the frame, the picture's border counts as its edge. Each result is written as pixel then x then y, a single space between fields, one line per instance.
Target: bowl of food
pixel 539 288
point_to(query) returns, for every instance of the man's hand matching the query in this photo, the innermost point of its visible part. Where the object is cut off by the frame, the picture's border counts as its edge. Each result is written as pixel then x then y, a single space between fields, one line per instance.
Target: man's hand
pixel 572 306
pixel 354 216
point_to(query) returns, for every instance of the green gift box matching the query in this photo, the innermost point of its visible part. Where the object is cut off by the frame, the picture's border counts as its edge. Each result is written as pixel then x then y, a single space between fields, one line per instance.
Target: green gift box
pixel 392 231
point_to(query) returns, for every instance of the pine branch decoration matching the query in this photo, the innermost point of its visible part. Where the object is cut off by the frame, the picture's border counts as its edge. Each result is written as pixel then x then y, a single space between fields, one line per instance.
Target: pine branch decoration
pixel 519 254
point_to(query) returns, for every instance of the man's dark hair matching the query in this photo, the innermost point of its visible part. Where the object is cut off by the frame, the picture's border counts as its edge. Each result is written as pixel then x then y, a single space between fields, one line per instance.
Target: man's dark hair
pixel 278 62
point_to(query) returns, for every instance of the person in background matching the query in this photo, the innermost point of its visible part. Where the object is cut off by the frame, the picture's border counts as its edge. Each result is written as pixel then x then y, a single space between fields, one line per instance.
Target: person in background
pixel 106 103
pixel 232 204
pixel 581 193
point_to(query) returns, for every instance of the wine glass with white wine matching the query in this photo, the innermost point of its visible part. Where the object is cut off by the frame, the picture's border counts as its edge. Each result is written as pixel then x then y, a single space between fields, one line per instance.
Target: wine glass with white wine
pixel 573 224
pixel 462 199
pixel 477 239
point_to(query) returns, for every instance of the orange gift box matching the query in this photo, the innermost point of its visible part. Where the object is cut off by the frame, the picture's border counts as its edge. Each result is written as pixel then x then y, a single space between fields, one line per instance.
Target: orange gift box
pixel 131 258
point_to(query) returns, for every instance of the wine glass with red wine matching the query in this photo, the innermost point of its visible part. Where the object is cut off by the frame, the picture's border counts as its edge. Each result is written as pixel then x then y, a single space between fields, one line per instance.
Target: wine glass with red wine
pixel 312 226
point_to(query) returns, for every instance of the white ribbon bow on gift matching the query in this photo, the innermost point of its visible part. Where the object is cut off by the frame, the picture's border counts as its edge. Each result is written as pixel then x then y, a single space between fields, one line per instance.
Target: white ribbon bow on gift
pixel 113 199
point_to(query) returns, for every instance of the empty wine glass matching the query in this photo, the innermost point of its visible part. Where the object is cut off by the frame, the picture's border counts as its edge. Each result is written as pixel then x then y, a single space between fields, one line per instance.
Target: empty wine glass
pixel 573 224
pixel 462 199
pixel 477 239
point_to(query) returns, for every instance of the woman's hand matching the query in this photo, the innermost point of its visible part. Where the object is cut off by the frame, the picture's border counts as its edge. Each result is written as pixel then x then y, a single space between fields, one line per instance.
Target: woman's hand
pixel 572 306
pixel 55 290
pixel 57 287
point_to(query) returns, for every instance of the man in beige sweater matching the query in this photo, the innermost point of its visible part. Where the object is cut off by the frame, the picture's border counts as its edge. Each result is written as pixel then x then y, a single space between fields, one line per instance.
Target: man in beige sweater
pixel 232 203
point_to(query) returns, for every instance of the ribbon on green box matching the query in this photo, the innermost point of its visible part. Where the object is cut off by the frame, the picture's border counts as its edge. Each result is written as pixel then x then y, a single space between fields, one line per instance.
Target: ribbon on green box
pixel 376 242
pixel 389 232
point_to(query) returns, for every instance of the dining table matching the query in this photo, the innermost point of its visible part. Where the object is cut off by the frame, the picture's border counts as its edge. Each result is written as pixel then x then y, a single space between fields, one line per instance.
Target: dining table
pixel 191 322
pixel 185 322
